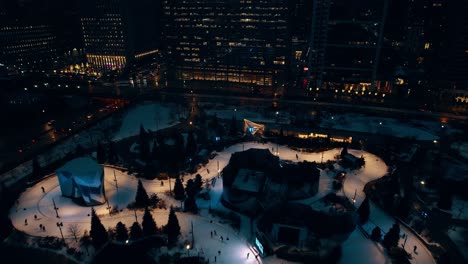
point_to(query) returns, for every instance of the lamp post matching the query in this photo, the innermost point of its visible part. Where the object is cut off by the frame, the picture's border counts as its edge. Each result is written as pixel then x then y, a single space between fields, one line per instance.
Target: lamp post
pixel 115 180
pixel 404 242
pixel 60 225
pixel 354 197
pixel 188 250
pixel 55 208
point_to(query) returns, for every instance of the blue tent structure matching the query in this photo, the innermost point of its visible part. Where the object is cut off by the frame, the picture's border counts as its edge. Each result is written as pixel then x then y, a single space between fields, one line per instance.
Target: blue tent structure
pixel 82 179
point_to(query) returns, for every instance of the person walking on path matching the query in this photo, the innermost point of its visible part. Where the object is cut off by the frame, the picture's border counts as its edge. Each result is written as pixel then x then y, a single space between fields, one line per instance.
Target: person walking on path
pixel 211 233
pixel 219 252
pixel 414 249
pixel 215 258
pixel 248 254
pixel 26 221
pixel 43 190
pixel 297 157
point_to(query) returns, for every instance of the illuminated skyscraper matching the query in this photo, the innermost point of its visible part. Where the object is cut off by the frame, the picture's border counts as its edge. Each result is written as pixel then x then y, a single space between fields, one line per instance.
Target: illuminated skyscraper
pixel 119 32
pixel 227 43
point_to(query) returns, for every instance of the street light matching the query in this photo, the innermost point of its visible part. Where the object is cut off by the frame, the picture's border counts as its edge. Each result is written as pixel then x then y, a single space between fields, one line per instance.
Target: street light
pixel 188 250
pixel 422 183
pixel 60 225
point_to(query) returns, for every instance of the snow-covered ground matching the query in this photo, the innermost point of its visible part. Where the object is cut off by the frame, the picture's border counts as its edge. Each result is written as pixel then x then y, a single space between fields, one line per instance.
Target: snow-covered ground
pixel 461 147
pixel 156 116
pixel 34 202
pixel 420 130
pixel 153 116
pixel 458 235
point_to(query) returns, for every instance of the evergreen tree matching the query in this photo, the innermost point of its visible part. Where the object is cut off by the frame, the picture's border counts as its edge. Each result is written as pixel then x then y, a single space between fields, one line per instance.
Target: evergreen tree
pixel 154 200
pixel 233 127
pixel 121 232
pixel 98 232
pixel 149 225
pixel 144 144
pixel 191 147
pixel 36 170
pixel 172 229
pixel 190 188
pixel 100 154
pixel 364 210
pixel 376 234
pixel 135 231
pixel 179 193
pixel 141 198
pixel 391 238
pixel 344 151
pixel 198 183
pixel 190 205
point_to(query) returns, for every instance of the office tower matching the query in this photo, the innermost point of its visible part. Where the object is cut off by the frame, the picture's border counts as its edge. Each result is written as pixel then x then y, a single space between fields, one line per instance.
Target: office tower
pixel 221 43
pixel 27 45
pixel 27 40
pixel 346 45
pixel 119 32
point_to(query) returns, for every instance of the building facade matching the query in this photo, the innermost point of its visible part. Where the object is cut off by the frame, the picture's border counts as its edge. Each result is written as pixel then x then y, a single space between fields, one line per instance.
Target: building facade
pixel 117 33
pixel 345 45
pixel 26 45
pixel 227 43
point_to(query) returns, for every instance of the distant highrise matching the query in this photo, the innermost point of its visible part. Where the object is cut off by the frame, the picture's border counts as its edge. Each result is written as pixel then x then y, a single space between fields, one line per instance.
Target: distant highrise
pixel 27 39
pixel 27 45
pixel 119 32
pixel 227 43
pixel 345 44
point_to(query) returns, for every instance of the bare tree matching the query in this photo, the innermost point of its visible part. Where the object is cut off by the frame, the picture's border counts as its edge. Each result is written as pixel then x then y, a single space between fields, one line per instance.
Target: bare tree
pixel 75 231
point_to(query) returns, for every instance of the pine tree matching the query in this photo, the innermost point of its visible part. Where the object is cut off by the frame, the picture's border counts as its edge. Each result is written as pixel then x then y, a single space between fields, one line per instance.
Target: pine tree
pixel 172 229
pixel 179 192
pixel 141 198
pixel 98 232
pixel 149 225
pixel 198 183
pixel 100 154
pixel 344 151
pixel 191 147
pixel 121 232
pixel 144 144
pixel 154 200
pixel 190 188
pixel 190 205
pixel 364 210
pixel 391 238
pixel 135 231
pixel 376 234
